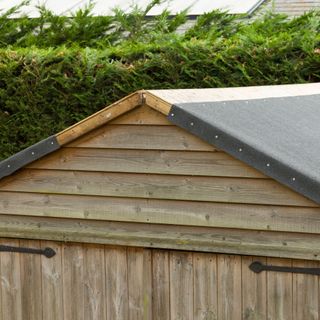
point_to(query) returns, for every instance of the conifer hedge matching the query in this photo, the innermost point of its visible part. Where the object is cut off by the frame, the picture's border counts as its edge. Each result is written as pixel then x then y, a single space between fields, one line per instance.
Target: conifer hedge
pixel 54 71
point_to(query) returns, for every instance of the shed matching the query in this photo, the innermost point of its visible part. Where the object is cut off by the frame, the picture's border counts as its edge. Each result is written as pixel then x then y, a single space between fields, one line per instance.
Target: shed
pixel 169 204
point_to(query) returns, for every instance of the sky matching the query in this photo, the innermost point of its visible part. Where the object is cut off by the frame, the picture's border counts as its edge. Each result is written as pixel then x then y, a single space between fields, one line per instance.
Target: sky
pixel 104 7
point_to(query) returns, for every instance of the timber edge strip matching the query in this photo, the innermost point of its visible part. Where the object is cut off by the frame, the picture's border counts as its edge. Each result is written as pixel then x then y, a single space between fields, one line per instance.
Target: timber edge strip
pixel 55 142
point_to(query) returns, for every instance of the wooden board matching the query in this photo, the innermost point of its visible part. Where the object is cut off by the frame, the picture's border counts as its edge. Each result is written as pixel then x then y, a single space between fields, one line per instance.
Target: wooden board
pixel 229 287
pixel 73 281
pixel 181 285
pixel 242 216
pixel 247 242
pixel 254 290
pixel 141 137
pixel 143 115
pixel 305 292
pixel 160 285
pixel 205 293
pixel 98 119
pixel 255 191
pixel 52 282
pixel 139 284
pixel 30 272
pixel 94 282
pixel 11 285
pixel 116 284
pixel 279 294
pixel 147 161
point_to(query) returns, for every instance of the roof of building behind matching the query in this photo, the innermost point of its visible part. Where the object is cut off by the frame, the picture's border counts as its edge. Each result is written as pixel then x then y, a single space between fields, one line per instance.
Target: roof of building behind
pixel 102 7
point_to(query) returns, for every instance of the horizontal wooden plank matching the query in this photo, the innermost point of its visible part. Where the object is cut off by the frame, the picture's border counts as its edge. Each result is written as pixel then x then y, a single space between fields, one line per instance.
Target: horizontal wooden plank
pixel 142 137
pixel 147 161
pixel 143 115
pixel 260 243
pixel 99 118
pixel 255 217
pixel 233 190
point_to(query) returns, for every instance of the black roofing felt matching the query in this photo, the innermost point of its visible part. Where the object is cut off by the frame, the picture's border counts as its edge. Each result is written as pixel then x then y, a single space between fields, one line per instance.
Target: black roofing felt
pixel 28 155
pixel 278 136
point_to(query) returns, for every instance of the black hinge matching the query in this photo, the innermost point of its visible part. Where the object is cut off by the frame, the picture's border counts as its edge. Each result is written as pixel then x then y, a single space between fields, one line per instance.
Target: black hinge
pixel 257 267
pixel 48 252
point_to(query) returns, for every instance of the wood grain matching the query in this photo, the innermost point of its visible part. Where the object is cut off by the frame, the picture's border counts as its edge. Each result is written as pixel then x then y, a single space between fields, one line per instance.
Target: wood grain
pixel 181 285
pixel 229 287
pixel 94 282
pixel 73 281
pixel 139 284
pixel 116 283
pixel 254 290
pixel 279 294
pixel 143 115
pixel 141 137
pixel 247 242
pixel 52 282
pixel 224 215
pixel 305 292
pixel 215 189
pixel 205 293
pixel 160 285
pixel 11 299
pixel 217 164
pixel 30 270
pixel 101 117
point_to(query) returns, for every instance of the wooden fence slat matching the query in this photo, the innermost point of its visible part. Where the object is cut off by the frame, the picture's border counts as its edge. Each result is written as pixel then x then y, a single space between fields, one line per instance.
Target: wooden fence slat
pixel 94 282
pixel 160 285
pixel 229 287
pixel 305 292
pixel 279 293
pixel 142 137
pixel 30 268
pixel 139 284
pixel 217 164
pixel 181 285
pixel 205 286
pixel 215 189
pixel 116 283
pixel 52 286
pixel 241 216
pixel 254 290
pixel 73 282
pixel 10 285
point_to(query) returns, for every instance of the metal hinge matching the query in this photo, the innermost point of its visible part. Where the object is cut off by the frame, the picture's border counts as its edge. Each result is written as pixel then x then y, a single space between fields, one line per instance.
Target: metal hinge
pixel 258 267
pixel 48 252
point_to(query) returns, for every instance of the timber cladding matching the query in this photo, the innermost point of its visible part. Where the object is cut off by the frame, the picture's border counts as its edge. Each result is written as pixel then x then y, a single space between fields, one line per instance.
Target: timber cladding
pixel 99 282
pixel 149 221
pixel 139 180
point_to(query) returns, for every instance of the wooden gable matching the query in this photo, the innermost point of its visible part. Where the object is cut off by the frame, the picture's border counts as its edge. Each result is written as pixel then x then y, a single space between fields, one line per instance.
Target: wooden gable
pixel 138 180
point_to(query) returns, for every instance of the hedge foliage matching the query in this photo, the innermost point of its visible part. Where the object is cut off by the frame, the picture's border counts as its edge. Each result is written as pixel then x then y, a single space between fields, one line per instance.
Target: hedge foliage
pixel 54 71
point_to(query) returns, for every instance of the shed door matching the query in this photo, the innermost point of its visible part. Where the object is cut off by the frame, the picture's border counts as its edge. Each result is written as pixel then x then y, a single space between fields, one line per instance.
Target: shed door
pixel 100 282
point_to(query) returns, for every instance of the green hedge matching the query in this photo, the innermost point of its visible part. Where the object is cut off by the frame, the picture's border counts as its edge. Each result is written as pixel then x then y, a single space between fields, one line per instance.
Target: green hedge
pixel 44 89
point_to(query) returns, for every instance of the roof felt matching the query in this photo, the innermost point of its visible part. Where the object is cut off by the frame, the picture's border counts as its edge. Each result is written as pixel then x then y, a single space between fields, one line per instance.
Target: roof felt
pixel 278 136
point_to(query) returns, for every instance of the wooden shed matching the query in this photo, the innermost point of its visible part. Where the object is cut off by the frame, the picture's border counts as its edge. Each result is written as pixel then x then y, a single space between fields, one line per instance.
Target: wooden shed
pixel 169 205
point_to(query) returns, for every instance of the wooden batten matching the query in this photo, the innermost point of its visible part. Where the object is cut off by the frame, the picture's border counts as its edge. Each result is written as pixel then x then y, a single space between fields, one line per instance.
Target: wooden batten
pixel 235 241
pixel 101 117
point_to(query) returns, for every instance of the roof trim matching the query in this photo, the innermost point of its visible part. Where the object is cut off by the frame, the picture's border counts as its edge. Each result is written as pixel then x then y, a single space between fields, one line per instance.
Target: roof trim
pixel 55 142
pixel 189 117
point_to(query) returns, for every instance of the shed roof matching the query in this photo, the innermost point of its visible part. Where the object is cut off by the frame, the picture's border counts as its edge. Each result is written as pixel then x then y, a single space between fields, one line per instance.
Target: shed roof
pixel 272 128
